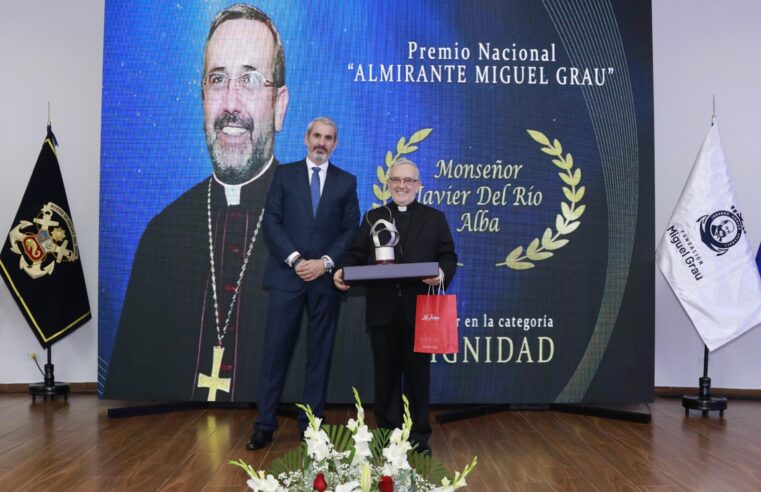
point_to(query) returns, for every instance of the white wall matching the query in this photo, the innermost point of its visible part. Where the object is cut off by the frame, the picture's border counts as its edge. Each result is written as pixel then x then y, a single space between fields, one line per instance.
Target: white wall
pixel 702 48
pixel 51 50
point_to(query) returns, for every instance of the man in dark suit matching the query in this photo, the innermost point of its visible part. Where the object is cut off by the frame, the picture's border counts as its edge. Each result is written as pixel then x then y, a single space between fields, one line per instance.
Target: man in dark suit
pixel 310 218
pixel 424 237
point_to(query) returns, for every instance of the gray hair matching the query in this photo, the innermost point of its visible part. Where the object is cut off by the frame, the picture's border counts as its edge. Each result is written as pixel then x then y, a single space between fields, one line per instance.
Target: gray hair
pixel 404 162
pixel 324 120
pixel 249 12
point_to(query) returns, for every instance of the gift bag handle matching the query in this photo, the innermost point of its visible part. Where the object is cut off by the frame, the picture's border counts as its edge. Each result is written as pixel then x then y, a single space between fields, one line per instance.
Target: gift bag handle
pixel 440 291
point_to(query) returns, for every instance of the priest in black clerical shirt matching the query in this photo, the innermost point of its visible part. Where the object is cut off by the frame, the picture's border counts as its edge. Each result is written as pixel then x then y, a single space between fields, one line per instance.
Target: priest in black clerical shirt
pixel 424 236
pixel 191 325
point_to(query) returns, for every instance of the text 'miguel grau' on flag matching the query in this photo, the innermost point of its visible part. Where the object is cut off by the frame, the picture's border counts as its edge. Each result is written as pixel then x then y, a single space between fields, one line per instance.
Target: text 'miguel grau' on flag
pixel 40 259
pixel 705 253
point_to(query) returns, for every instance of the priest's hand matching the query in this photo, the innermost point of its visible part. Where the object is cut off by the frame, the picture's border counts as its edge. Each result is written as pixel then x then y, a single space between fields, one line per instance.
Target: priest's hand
pixel 435 280
pixel 338 280
pixel 310 270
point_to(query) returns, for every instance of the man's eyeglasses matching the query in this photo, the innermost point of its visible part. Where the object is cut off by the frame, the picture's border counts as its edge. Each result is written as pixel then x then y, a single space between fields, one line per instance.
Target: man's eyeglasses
pixel 396 180
pixel 248 82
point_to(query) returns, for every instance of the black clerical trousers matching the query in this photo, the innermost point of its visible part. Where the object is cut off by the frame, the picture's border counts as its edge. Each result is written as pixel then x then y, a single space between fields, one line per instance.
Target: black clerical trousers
pixel 399 369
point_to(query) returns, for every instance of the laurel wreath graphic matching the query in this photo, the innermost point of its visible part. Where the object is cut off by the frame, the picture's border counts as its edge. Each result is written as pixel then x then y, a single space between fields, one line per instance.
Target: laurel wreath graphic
pixel 565 223
pixel 403 147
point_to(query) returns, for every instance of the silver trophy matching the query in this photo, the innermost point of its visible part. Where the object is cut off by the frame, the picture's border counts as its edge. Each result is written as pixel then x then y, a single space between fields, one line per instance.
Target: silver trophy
pixel 384 253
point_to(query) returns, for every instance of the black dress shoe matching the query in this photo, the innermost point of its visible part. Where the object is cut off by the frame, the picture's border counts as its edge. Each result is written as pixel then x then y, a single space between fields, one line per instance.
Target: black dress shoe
pixel 259 439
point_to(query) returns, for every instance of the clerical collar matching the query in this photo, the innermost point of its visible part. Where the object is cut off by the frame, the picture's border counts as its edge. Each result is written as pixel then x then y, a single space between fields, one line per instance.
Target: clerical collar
pixel 404 208
pixel 232 191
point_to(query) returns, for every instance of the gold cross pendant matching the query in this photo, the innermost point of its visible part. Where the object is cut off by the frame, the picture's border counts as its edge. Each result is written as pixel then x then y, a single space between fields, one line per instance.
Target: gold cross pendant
pixel 214 382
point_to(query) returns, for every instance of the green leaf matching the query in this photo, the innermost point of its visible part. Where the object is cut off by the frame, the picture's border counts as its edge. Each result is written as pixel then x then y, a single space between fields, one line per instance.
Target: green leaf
pixel 546 237
pixel 556 244
pixel 577 212
pixel 568 194
pixel 409 149
pixel 420 135
pixel 539 137
pixel 523 265
pixel 572 227
pixel 532 248
pixel 378 192
pixel 381 175
pixel 512 260
pixel 559 223
pixel 429 467
pixel 389 158
pixel 579 194
pixel 557 146
pixel 380 440
pixel 293 460
pixel 572 179
pixel 569 160
pixel 561 164
pixel 550 151
pixel 514 255
pixel 540 255
pixel 400 146
pixel 566 211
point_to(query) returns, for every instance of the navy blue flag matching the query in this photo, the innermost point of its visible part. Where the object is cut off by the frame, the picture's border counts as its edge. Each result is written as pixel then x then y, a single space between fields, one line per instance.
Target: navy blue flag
pixel 40 259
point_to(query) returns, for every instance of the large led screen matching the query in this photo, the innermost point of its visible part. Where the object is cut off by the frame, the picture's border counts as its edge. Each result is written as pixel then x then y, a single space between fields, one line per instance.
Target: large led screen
pixel 532 126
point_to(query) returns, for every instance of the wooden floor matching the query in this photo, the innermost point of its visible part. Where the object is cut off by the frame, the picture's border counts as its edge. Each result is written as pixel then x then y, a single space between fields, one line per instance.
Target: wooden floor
pixel 74 446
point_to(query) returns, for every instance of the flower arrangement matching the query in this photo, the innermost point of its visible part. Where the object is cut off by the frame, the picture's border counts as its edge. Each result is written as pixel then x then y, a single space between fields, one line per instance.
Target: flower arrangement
pixel 352 458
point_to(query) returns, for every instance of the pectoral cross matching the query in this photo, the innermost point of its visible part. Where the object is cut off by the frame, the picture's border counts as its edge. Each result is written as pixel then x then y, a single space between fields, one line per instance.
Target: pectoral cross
pixel 214 382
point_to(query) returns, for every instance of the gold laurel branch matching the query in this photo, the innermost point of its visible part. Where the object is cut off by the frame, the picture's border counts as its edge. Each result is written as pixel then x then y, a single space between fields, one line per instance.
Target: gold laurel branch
pixel 403 147
pixel 566 221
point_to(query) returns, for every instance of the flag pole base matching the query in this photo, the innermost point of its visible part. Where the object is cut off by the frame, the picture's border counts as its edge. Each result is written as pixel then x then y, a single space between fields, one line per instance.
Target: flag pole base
pixel 713 404
pixel 50 388
pixel 45 391
pixel 704 401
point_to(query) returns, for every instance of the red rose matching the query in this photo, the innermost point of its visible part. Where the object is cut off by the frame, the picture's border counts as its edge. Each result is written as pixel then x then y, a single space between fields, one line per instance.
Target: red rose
pixel 386 484
pixel 319 483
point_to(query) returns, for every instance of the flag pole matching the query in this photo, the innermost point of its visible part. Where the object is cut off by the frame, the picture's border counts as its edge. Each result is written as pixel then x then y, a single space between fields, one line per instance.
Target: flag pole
pixel 704 401
pixel 49 388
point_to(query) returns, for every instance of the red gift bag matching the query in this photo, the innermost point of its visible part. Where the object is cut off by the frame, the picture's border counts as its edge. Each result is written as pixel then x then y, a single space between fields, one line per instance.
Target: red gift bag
pixel 436 324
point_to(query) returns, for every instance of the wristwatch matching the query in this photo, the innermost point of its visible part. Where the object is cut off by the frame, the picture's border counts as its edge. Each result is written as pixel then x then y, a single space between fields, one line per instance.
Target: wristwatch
pixel 328 263
pixel 296 262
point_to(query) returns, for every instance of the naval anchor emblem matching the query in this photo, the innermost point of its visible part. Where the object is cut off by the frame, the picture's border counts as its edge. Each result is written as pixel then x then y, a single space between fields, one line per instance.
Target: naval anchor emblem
pixel 41 249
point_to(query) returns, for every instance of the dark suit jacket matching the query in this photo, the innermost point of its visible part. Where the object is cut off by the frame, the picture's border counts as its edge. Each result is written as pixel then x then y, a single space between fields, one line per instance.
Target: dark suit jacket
pixel 428 239
pixel 289 224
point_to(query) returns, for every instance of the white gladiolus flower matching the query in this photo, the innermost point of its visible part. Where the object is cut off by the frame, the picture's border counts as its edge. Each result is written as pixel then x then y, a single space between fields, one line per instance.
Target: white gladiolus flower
pixel 268 484
pixel 363 435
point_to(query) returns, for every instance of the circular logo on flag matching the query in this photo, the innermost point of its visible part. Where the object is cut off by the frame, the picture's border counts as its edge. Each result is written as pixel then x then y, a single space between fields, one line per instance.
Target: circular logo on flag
pixel 721 230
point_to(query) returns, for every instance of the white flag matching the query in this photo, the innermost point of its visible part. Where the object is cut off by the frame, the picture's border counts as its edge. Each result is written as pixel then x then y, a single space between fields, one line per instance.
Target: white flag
pixel 705 254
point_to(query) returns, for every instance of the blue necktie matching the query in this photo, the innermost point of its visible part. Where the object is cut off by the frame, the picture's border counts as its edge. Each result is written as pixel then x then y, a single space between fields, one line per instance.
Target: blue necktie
pixel 315 184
